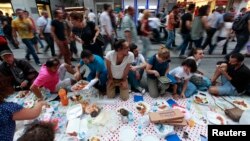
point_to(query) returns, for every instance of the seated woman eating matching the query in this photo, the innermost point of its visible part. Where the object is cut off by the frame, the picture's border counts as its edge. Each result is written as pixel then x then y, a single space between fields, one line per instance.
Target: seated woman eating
pixel 51 76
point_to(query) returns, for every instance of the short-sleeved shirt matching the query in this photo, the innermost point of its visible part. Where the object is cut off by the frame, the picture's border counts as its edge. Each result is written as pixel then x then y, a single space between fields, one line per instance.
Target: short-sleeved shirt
pixel 45 24
pixel 91 17
pixel 128 24
pixel 215 19
pixel 240 77
pixel 86 34
pixel 106 21
pixel 47 79
pixel 7 124
pixel 170 26
pixel 138 60
pixel 156 65
pixel 23 27
pixel 117 70
pixel 180 73
pixel 97 66
pixel 186 17
pixel 59 29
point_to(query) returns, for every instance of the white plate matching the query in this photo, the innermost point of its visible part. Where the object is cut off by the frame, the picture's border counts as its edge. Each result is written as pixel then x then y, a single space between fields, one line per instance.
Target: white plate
pixel 204 100
pixel 150 138
pixel 235 102
pixel 29 104
pixel 74 111
pixel 144 103
pixel 126 133
pixel 212 117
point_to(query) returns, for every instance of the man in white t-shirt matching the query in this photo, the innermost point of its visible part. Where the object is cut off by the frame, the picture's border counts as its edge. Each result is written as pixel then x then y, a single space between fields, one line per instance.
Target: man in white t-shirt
pixel 44 24
pixel 118 63
pixel 106 25
pixel 91 16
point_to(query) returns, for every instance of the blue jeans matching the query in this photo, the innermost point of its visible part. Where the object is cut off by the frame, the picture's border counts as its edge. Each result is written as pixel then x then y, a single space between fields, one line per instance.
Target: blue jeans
pixel 101 85
pixel 30 50
pixel 191 89
pixel 226 89
pixel 170 39
pixel 132 78
pixel 186 40
pixel 198 42
pixel 146 45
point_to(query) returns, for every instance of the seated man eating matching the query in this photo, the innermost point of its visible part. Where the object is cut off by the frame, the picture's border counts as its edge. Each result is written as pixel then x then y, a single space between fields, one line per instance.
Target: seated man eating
pixel 97 69
pixel 235 77
pixel 118 63
pixel 51 76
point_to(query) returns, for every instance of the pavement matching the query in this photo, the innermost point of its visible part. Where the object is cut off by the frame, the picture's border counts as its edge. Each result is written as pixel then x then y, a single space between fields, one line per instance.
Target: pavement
pixel 207 65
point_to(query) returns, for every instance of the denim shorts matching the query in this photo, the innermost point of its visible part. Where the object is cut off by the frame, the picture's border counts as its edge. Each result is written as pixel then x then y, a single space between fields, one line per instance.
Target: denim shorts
pixel 227 89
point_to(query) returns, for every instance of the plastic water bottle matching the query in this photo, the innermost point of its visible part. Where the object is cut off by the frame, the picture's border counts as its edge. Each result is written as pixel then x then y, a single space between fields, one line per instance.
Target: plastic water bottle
pixel 130 117
pixel 139 133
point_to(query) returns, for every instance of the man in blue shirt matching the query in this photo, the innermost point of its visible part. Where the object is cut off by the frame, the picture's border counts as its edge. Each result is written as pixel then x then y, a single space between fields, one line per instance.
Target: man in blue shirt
pixel 97 69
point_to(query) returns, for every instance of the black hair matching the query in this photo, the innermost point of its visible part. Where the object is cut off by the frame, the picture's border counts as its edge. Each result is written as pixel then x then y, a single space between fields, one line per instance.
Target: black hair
pixel 194 51
pixel 86 54
pixel 175 7
pixel 25 11
pixel 203 10
pixel 19 9
pixel 51 62
pixel 38 131
pixel 191 7
pixel 106 6
pixel 55 12
pixel 191 64
pixel 91 10
pixel 119 44
pixel 240 57
pixel 132 47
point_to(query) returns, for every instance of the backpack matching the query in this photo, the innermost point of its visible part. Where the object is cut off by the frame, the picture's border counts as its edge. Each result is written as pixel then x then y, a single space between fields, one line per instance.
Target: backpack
pixel 240 23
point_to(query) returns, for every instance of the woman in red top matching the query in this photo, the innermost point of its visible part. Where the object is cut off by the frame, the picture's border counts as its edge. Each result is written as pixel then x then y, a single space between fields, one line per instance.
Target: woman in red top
pixel 145 32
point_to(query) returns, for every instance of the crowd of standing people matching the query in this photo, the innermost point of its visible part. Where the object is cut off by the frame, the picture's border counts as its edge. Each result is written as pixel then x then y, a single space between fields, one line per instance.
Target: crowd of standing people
pixel 125 64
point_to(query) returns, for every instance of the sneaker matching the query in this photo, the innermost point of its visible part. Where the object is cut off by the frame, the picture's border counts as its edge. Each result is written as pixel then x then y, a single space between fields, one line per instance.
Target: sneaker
pixel 39 64
pixel 182 56
pixel 141 90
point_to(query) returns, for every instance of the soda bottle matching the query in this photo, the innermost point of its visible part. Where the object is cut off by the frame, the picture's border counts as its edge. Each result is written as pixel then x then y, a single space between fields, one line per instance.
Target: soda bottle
pixel 63 96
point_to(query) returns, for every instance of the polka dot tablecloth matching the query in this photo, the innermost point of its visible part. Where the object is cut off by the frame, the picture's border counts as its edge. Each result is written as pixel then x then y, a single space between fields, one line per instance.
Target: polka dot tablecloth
pixel 193 132
pixel 113 135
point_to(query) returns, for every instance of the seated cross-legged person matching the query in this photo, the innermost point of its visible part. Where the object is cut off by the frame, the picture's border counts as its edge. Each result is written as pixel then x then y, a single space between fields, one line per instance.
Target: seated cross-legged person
pixel 235 77
pixel 198 79
pixel 182 74
pixel 157 66
pixel 137 69
pixel 52 77
pixel 97 69
pixel 18 73
pixel 118 63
